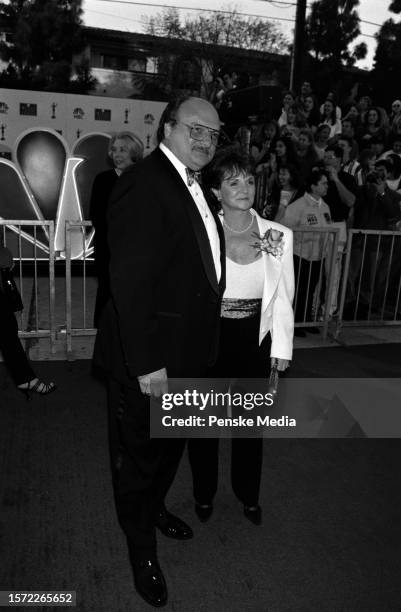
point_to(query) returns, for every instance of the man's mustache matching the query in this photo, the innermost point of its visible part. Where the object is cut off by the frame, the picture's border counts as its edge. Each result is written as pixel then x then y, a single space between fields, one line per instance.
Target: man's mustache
pixel 205 149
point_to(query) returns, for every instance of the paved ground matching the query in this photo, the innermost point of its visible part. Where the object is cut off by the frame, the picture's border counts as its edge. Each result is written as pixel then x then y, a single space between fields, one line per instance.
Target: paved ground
pixel 329 541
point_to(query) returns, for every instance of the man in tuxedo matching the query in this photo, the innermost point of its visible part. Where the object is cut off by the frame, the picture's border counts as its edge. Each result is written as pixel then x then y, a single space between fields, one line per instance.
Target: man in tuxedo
pixel 167 279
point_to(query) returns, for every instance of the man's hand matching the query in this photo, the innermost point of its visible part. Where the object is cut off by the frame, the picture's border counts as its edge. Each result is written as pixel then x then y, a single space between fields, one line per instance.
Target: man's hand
pixel 282 364
pixel 332 172
pixel 155 383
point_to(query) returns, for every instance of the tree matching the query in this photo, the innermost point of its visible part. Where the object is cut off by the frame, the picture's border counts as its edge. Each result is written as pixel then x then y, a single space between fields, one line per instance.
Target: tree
pixel 229 29
pixel 216 33
pixel 387 60
pixel 331 28
pixel 44 36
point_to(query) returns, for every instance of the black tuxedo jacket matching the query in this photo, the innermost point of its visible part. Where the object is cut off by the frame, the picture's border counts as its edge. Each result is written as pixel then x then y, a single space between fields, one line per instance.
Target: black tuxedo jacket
pixel 165 304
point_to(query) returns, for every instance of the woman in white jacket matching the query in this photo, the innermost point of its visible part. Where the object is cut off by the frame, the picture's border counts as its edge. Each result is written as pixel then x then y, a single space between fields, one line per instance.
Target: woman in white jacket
pixel 257 321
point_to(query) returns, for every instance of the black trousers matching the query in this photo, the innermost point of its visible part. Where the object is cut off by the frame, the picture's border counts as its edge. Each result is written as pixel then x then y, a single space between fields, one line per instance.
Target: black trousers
pixel 240 356
pixel 11 348
pixel 142 468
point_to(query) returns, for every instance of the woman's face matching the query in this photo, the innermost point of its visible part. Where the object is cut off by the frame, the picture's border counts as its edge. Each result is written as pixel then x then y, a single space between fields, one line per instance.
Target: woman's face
pixel 281 149
pixel 328 108
pixel 288 99
pixel 120 154
pixel 396 107
pixel 308 103
pixel 270 131
pixel 284 177
pixel 291 116
pixel 303 142
pixel 373 117
pixel 353 112
pixel 237 191
pixel 324 134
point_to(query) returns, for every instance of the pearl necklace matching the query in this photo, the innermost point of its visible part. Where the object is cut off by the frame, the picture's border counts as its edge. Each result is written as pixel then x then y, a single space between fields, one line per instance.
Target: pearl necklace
pixel 238 231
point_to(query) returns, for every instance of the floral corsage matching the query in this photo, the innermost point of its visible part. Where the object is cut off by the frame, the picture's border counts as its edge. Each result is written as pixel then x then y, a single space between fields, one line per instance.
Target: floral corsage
pixel 271 242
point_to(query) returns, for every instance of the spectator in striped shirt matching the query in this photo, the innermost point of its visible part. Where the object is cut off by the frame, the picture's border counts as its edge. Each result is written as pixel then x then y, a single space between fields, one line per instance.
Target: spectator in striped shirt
pixel 349 163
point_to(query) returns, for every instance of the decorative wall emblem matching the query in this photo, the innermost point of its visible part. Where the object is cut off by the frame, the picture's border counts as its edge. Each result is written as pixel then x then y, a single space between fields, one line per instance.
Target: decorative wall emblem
pixel 126 113
pixel 3 108
pixel 54 106
pixel 102 114
pixel 48 181
pixel 149 119
pixel 78 113
pixel 26 108
pixel 2 131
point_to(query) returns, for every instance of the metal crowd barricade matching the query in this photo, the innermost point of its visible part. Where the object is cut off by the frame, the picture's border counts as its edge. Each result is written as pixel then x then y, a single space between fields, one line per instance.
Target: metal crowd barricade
pixel 371 283
pixel 321 293
pixel 80 286
pixel 261 190
pixel 32 246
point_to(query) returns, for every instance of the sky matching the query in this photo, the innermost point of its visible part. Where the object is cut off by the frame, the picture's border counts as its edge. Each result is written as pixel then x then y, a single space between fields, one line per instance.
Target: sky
pixel 130 15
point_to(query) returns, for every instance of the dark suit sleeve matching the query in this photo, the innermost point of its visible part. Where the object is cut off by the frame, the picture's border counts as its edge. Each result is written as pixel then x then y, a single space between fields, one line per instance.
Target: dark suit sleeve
pixel 136 245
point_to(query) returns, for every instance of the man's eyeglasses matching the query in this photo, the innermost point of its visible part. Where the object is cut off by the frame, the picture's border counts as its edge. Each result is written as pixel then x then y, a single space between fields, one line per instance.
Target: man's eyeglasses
pixel 201 132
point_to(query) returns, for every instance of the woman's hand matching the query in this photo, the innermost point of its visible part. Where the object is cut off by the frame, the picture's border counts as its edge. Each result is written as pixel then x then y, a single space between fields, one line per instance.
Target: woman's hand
pixel 282 364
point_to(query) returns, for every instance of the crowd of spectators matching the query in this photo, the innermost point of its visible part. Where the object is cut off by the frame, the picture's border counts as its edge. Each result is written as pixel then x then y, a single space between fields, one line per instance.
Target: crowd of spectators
pixel 358 149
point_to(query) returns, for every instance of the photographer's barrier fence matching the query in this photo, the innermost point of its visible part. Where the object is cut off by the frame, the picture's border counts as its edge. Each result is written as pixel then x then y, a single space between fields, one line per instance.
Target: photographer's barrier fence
pixel 58 288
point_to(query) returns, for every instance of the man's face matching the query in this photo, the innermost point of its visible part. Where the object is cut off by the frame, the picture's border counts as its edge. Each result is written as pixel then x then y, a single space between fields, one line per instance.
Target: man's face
pixel 381 171
pixel 306 88
pixel 320 189
pixel 374 183
pixel 397 147
pixel 377 148
pixel 344 145
pixel 303 142
pixel 331 161
pixel 348 128
pixel 193 137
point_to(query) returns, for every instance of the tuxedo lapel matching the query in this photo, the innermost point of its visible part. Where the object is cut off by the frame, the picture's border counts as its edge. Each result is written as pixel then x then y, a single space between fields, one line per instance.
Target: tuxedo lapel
pixel 203 242
pixel 186 200
pixel 220 231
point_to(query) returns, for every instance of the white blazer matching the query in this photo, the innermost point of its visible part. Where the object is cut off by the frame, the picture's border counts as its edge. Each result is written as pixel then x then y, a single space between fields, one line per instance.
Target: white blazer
pixel 277 315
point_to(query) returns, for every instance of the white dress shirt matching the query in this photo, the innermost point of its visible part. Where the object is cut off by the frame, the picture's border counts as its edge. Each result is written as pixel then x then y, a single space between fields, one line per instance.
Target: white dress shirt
pixel 201 204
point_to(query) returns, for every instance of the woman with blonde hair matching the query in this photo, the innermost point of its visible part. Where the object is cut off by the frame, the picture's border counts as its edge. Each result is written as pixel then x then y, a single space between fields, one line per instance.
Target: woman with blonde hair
pixel 125 149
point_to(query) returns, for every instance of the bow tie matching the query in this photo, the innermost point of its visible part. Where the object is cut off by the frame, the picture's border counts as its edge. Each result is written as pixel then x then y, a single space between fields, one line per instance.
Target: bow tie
pixel 192 176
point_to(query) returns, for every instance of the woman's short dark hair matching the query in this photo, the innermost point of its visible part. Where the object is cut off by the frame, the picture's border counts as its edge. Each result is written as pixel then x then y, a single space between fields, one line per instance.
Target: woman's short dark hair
pixel 295 176
pixel 313 179
pixel 228 161
pixel 169 115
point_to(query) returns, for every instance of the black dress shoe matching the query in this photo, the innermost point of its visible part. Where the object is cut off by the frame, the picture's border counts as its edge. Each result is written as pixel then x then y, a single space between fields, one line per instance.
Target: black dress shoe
pixel 150 582
pixel 204 512
pixel 253 514
pixel 173 527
